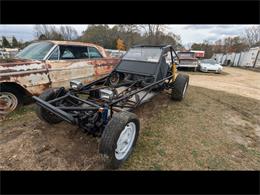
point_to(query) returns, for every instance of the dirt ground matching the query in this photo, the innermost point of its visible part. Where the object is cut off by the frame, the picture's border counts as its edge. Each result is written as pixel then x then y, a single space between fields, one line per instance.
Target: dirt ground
pixel 217 126
pixel 234 80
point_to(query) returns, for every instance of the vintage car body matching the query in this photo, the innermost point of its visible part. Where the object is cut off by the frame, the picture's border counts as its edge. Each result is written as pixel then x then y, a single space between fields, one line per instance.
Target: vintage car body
pixel 188 60
pixel 26 77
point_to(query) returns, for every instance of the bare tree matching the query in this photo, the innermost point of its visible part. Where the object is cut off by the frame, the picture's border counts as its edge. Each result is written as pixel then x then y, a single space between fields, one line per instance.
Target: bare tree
pixel 252 35
pixel 42 30
pixel 52 32
pixel 130 28
pixel 153 32
pixel 68 32
pixel 153 29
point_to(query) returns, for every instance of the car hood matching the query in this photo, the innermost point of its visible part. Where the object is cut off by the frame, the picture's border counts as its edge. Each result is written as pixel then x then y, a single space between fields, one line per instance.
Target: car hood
pixel 210 65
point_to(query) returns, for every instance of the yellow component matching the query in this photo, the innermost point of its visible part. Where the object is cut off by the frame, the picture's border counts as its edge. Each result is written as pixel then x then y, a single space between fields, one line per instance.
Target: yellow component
pixel 174 71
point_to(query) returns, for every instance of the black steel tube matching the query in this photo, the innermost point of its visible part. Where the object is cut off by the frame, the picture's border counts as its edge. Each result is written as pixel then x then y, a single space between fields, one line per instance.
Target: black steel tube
pixel 176 54
pixel 57 99
pixel 65 116
pixel 94 82
pixel 135 92
pixel 85 101
pixel 123 106
pixel 77 108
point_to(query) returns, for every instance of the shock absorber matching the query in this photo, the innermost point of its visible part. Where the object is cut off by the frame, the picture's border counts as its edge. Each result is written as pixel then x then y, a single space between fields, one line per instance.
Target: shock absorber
pixel 174 71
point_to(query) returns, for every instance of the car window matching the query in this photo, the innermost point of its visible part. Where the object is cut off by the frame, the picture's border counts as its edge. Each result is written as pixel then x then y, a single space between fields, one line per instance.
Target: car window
pixel 55 54
pixel 35 51
pixel 94 53
pixel 67 54
pixel 150 54
pixel 74 52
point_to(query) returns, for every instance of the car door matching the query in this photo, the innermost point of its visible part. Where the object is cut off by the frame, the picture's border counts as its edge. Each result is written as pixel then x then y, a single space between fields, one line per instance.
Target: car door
pixel 68 63
pixel 102 64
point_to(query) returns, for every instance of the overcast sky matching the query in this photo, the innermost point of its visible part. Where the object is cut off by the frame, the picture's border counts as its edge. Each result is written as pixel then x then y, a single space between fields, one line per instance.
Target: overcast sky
pixel 188 33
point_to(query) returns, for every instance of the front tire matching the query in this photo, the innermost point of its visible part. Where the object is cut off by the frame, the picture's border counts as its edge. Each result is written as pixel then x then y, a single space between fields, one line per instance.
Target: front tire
pixel 119 138
pixel 44 114
pixel 10 100
pixel 180 86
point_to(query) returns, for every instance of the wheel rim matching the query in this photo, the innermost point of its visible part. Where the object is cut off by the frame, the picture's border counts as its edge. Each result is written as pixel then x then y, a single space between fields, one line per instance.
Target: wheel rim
pixel 125 141
pixel 8 102
pixel 184 90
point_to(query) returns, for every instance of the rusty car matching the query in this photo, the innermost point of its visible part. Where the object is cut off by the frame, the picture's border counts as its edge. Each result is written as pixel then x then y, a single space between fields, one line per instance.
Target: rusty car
pixel 49 64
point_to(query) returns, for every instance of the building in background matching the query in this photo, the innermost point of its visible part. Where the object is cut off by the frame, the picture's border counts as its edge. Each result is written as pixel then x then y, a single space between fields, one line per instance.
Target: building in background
pixel 250 58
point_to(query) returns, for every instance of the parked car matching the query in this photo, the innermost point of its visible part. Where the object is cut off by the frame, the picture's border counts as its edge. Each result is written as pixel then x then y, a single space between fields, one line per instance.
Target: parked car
pixel 46 64
pixel 210 65
pixel 4 55
pixel 107 111
pixel 115 53
pixel 188 60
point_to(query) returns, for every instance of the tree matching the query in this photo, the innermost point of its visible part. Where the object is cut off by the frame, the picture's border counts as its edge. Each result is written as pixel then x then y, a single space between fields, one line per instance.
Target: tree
pixel 205 46
pixel 153 32
pixel 5 42
pixel 101 35
pixel 25 44
pixel 218 47
pixel 42 37
pixel 44 32
pixel 68 33
pixel 15 42
pixel 229 44
pixel 120 44
pixel 130 35
pixel 252 35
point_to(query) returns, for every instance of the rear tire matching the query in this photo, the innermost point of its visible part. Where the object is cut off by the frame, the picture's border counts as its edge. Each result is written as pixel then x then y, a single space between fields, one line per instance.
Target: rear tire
pixel 180 87
pixel 44 114
pixel 119 138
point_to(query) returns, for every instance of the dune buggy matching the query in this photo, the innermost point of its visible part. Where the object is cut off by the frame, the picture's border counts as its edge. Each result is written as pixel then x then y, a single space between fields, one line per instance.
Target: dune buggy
pixel 103 107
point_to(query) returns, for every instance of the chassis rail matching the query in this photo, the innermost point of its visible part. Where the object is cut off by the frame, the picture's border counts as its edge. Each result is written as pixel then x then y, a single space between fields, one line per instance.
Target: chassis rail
pixel 61 111
pixel 65 116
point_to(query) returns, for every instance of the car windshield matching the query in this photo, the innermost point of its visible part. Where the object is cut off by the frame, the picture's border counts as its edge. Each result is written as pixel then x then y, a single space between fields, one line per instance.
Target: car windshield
pixel 35 51
pixel 150 54
pixel 209 61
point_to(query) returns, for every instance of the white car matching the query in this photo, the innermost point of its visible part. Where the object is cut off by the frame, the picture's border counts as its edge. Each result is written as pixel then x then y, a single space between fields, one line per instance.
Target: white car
pixel 210 65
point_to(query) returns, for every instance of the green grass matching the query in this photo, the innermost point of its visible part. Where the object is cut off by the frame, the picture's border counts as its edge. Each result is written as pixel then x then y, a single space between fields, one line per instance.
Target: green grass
pixel 20 112
pixel 192 134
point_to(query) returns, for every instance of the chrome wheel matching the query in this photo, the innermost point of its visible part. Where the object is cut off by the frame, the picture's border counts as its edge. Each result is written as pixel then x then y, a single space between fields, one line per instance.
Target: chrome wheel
pixel 125 141
pixel 8 102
